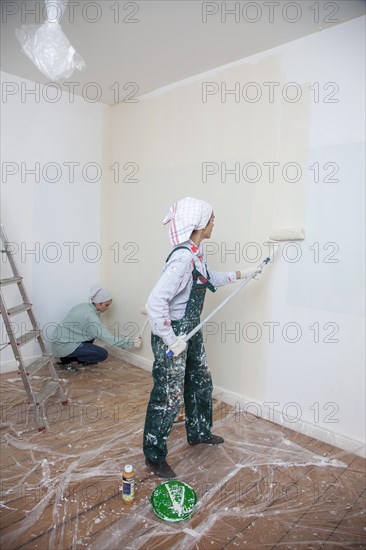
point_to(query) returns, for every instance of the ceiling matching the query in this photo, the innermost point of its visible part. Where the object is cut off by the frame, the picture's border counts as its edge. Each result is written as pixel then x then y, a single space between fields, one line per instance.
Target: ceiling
pixel 154 43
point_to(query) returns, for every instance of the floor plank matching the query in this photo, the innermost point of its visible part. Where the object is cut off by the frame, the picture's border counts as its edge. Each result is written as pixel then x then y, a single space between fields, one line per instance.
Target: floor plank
pixel 266 487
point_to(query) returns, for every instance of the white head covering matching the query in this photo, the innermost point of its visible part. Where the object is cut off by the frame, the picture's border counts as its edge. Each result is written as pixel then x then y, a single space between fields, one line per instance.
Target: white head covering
pixel 187 215
pixel 99 294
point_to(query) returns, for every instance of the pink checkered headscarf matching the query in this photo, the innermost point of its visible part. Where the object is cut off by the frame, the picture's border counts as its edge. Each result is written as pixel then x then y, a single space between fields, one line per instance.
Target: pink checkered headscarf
pixel 187 215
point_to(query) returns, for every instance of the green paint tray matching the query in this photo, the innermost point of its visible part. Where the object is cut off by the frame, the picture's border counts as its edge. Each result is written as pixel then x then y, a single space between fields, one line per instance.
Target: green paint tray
pixel 173 501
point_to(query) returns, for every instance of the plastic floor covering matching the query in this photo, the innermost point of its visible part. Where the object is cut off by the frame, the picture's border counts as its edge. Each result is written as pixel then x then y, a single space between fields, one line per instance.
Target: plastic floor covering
pixel 266 487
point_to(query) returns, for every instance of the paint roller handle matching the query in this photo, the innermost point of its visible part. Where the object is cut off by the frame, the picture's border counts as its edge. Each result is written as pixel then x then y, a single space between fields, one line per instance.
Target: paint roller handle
pixel 143 328
pixel 186 337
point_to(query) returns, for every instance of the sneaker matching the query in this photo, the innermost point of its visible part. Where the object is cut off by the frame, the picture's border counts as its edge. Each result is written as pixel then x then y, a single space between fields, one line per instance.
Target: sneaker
pixel 213 440
pixel 68 366
pixel 161 469
pixel 86 363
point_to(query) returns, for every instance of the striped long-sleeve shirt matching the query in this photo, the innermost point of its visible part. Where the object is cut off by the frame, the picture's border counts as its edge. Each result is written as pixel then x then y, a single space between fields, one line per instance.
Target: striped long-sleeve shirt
pixel 168 299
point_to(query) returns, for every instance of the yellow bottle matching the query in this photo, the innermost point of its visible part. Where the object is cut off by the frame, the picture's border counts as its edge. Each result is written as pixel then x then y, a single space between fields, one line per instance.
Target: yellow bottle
pixel 181 416
pixel 128 484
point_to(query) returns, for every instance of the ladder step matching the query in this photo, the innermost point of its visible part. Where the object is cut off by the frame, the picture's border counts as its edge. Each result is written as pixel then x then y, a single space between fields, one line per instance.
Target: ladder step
pixel 37 364
pixel 10 281
pixel 27 337
pixel 48 390
pixel 18 309
pixel 50 384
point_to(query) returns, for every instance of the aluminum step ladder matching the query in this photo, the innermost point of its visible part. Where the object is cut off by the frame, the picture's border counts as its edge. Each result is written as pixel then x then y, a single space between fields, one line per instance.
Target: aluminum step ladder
pixel 36 399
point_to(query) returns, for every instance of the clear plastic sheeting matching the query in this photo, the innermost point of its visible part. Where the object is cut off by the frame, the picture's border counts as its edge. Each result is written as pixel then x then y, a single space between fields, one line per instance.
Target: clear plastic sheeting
pixel 265 487
pixel 48 47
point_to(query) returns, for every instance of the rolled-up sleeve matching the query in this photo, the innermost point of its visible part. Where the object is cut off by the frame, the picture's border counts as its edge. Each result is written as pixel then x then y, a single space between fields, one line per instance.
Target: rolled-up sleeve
pixel 221 278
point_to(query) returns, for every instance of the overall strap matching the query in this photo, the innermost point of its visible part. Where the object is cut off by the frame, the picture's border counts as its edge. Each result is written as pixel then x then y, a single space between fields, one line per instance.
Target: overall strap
pixel 195 273
pixel 204 280
pixel 174 249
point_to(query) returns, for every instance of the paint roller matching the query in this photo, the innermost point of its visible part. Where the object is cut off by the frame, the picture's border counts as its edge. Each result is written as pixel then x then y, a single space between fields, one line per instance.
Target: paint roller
pixel 289 234
pixel 277 235
pixel 143 312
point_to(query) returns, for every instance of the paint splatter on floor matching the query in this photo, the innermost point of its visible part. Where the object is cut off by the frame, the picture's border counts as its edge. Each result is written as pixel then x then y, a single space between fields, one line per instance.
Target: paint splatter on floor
pixel 265 486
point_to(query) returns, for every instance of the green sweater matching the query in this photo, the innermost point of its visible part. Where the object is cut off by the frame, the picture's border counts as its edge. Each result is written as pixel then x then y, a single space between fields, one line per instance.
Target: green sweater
pixel 82 323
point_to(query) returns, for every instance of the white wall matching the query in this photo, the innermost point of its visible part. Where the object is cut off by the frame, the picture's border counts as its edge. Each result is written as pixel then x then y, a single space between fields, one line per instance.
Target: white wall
pixel 318 300
pixel 41 216
pixel 168 135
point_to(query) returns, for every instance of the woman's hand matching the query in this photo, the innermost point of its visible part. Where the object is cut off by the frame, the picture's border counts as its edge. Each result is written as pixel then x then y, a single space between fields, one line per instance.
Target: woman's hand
pixel 178 347
pixel 248 272
pixel 136 342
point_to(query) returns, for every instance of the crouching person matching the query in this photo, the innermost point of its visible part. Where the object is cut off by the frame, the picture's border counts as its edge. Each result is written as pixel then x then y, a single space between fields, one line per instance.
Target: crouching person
pixel 73 338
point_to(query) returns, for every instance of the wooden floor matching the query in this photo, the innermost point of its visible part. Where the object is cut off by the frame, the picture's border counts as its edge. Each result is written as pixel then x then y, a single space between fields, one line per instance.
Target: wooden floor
pixel 266 487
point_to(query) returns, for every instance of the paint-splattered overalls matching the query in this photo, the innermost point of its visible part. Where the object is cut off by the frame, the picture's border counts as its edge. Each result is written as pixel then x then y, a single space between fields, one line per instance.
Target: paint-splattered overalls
pixel 186 375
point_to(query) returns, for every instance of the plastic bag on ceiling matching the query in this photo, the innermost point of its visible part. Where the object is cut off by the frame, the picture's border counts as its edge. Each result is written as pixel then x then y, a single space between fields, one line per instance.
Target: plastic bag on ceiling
pixel 48 47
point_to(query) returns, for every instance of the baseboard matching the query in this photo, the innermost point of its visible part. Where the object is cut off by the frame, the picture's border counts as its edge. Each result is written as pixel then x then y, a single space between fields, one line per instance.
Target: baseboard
pixel 272 414
pixel 8 366
pixel 243 405
pixel 12 366
pixel 129 357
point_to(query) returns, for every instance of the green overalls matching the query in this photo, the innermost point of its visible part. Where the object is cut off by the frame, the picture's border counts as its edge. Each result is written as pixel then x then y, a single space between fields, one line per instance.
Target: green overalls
pixel 185 376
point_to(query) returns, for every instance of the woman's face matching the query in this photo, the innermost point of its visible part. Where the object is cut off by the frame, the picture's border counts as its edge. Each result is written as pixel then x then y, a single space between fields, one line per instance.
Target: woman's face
pixel 103 306
pixel 208 229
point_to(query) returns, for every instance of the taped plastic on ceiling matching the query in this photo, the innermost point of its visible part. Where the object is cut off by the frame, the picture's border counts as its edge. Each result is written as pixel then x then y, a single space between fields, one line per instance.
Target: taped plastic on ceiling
pixel 48 47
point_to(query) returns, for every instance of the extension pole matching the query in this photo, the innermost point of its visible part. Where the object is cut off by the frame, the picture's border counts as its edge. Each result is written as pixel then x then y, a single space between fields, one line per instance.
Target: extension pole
pixel 188 336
